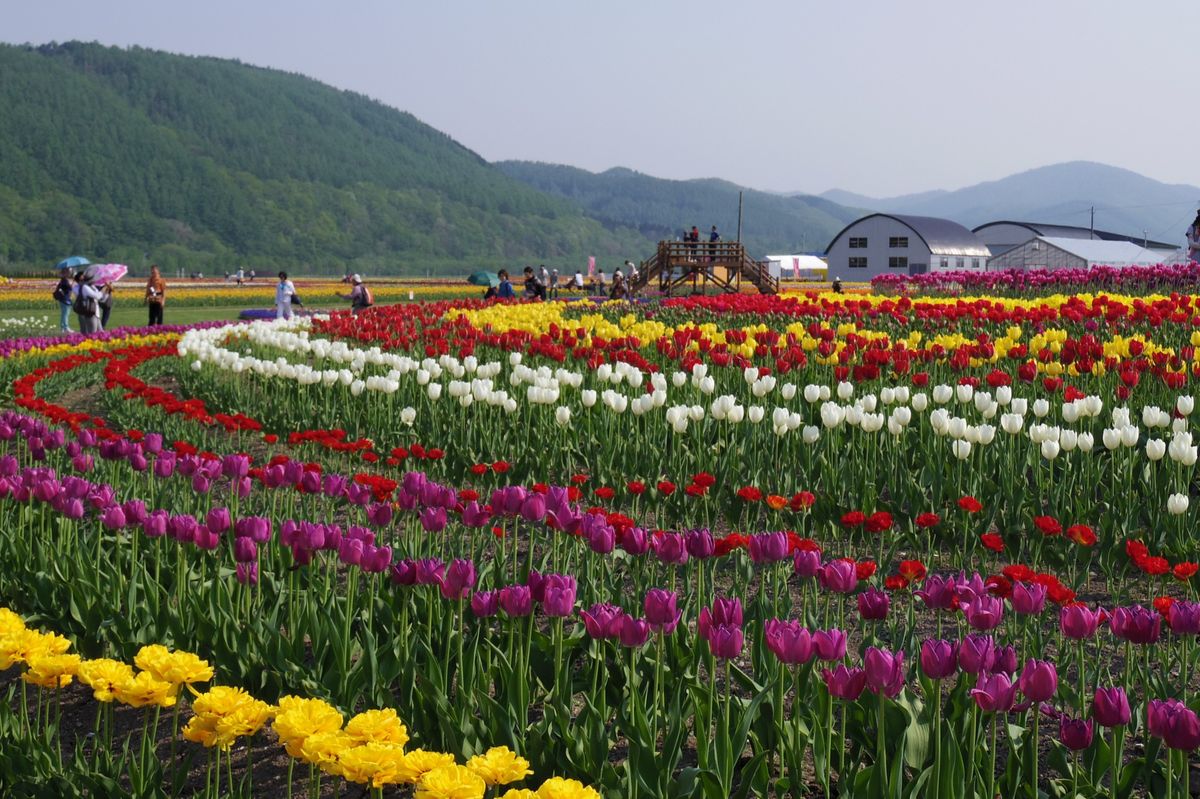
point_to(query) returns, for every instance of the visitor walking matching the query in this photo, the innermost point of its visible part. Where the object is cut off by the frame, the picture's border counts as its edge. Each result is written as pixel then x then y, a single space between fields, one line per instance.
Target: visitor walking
pixel 156 295
pixel 619 292
pixel 1193 240
pixel 62 295
pixel 600 282
pixel 86 304
pixel 578 284
pixel 285 292
pixel 360 296
pixel 554 284
pixel 505 289
pixel 535 289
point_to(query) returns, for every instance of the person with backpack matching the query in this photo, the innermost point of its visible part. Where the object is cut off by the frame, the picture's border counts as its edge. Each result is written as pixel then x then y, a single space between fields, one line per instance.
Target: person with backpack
pixel 534 288
pixel 360 296
pixel 62 295
pixel 86 304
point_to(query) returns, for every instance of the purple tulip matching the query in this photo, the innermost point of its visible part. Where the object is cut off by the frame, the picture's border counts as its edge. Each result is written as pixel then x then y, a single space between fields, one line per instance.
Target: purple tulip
pixel 244 550
pixel 634 541
pixel 1110 707
pixel 768 547
pixel 939 659
pixel 433 519
pixel 113 518
pixel 885 671
pixel 559 595
pixel 82 463
pixel 829 645
pixel 1183 617
pixel 334 486
pixel 155 524
pixel 994 693
pixel 789 640
pixel 1078 621
pixel 256 528
pixel 516 600
pixel 806 562
pixel 845 683
pixel 350 551
pixel 430 571
pixel 376 560
pixel 661 611
pixel 247 573
pixel 485 604
pixel 200 483
pixel 473 515
pixel 700 543
pixel 977 654
pixel 603 621
pixel 459 580
pixel 1075 734
pixel 725 641
pixel 533 509
pixel 404 572
pixel 984 612
pixel 602 538
pixel 1174 722
pixel 839 576
pixel 1136 624
pixel 135 511
pixel 1038 681
pixel 726 611
pixel 1028 599
pixel 634 632
pixel 164 465
pixel 217 521
pixel 670 548
pixel 873 605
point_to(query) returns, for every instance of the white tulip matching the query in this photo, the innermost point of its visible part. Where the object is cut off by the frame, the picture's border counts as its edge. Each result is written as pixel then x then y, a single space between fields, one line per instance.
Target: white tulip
pixel 356 388
pixel 1111 438
pixel 779 416
pixel 1155 449
pixel 1177 504
pixel 961 449
pixel 902 394
pixel 587 397
pixel 408 416
pixel 679 379
pixel 920 402
pixel 810 434
pixel 1070 412
pixel 939 420
pixel 196 366
pixel 794 420
pixel 562 415
pixel 1003 395
pixel 1040 408
pixel 825 393
pixel 964 391
pixel 1019 406
pixel 887 395
pixel 510 405
pixel 1068 440
pixel 1011 423
pixel 1129 436
pixel 832 414
pixel 755 413
pixel 986 433
pixel 708 385
pixel 957 427
pixel 894 427
pixel 514 358
pixel 422 377
pixel 942 394
pixel 434 390
pixel 1093 405
pixel 788 391
pixel 696 413
pixel 737 413
pixel 1050 449
pixel 982 399
pixel 902 414
pixel 845 390
pixel 1120 417
pixel 750 374
pixel 812 393
pixel 869 403
pixel 1185 404
pixel 1086 442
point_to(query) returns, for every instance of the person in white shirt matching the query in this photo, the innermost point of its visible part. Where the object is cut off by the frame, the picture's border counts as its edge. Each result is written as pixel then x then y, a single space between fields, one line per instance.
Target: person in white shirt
pixel 578 280
pixel 88 322
pixel 284 290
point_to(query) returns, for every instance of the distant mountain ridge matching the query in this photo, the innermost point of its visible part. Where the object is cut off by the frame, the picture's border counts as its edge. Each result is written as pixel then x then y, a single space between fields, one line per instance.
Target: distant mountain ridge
pixel 1125 201
pixel 661 209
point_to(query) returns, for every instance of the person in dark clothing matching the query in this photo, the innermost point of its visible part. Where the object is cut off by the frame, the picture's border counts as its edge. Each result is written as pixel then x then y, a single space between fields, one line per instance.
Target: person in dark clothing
pixel 713 238
pixel 62 295
pixel 534 287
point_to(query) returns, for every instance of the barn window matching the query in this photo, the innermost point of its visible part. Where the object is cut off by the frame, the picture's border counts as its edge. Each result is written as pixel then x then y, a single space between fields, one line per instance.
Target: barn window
pixel 858 243
pixel 858 263
pixel 898 242
pixel 898 262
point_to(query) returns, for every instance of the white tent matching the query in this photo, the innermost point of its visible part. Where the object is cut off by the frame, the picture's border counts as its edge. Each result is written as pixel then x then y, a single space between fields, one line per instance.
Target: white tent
pixel 797 267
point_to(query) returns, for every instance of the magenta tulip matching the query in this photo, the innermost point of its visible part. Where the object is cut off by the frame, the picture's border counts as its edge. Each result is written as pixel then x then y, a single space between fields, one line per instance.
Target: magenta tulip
pixel 1076 734
pixel 1110 707
pixel 845 683
pixel 885 671
pixel 660 610
pixel 1028 599
pixel 725 641
pixel 829 645
pixel 994 693
pixel 1038 681
pixel 790 641
pixel 1078 621
pixel 977 654
pixel 603 621
pixel 873 605
pixel 839 576
pixel 939 659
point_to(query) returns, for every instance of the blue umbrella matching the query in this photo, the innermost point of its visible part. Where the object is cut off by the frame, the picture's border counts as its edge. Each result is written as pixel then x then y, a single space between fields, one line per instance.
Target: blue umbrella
pixel 72 262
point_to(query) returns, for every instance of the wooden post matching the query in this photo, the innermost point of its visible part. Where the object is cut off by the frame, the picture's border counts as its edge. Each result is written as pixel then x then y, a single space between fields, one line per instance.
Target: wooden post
pixel 739 231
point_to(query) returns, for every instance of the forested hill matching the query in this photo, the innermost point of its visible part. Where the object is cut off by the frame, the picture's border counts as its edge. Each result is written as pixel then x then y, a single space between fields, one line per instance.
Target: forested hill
pixel 208 164
pixel 772 224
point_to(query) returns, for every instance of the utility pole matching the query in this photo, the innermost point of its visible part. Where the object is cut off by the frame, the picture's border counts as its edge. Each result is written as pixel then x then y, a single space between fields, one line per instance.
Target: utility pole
pixel 1092 224
pixel 739 230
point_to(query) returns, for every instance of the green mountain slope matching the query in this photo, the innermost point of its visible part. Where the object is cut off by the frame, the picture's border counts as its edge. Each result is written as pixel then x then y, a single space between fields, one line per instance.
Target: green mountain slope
pixel 663 208
pixel 208 164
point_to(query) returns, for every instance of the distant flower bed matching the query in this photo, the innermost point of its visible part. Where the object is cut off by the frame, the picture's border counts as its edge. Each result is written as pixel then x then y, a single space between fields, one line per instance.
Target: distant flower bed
pixel 1132 278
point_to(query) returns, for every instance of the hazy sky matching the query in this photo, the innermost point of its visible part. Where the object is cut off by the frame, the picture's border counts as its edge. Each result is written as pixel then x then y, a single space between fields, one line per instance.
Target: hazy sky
pixel 875 97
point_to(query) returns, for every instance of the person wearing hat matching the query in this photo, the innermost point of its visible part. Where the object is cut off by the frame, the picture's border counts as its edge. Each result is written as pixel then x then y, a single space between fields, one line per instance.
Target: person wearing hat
pixel 87 304
pixel 360 296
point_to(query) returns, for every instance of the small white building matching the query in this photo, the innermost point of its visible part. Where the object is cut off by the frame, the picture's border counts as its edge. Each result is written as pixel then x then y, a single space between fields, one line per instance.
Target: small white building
pixel 900 244
pixel 1046 252
pixel 797 267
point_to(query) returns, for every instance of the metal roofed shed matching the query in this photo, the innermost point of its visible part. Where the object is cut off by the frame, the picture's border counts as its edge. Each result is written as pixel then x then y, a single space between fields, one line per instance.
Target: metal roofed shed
pixel 1046 252
pixel 901 244
pixel 1002 236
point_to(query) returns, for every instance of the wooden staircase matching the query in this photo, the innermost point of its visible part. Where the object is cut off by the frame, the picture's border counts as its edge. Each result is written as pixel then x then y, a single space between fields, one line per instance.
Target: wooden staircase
pixel 681 267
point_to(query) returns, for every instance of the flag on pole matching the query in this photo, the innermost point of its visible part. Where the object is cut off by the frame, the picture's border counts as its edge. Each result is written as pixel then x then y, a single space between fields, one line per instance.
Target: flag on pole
pixel 796 267
pixel 591 266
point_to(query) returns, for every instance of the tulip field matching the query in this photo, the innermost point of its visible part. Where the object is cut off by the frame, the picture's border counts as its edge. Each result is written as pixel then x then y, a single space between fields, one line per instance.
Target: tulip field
pixel 895 544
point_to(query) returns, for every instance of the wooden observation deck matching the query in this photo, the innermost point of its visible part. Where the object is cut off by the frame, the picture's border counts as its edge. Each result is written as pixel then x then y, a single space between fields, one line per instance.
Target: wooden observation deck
pixel 686 267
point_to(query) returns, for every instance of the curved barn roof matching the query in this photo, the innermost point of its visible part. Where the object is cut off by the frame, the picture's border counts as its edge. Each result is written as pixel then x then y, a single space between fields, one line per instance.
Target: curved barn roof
pixel 941 236
pixel 1075 232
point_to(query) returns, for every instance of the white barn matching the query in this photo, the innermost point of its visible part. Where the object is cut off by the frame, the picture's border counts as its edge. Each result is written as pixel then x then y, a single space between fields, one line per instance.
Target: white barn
pixel 1046 252
pixel 900 244
pixel 1004 235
